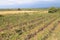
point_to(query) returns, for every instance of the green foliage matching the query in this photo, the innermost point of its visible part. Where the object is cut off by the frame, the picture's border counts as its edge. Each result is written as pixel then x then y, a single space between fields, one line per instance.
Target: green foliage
pixel 52 10
pixel 19 9
pixel 19 31
pixel 1 15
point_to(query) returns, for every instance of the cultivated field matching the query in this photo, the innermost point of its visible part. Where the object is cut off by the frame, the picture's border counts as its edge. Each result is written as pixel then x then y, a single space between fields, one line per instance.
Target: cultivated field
pixel 20 25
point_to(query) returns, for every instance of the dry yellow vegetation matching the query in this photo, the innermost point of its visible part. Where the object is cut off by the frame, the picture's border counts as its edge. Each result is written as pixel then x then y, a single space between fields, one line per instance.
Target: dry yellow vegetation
pixel 16 12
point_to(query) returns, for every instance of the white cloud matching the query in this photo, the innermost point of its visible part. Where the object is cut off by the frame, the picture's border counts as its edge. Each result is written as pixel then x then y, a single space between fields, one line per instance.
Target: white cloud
pixel 12 2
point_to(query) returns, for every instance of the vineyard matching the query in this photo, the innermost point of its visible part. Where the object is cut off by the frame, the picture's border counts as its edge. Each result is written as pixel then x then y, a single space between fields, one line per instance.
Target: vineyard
pixel 35 26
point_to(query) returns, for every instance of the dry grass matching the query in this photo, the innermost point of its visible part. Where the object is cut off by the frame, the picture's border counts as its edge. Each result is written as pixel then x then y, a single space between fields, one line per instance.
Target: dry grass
pixel 16 12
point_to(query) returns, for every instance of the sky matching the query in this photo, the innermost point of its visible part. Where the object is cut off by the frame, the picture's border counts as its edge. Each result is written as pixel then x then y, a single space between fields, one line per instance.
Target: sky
pixel 29 3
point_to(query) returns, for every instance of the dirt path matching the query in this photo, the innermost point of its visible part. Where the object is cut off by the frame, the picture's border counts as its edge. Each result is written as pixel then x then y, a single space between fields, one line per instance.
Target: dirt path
pixel 56 33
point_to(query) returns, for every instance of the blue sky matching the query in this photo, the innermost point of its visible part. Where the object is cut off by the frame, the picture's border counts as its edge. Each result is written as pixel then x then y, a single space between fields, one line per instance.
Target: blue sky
pixel 29 3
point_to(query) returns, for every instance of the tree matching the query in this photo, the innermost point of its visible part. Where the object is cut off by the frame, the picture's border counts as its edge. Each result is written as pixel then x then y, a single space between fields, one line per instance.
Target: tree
pixel 19 9
pixel 52 10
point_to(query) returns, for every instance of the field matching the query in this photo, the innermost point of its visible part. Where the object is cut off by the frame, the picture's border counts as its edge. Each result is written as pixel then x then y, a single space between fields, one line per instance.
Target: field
pixel 29 25
pixel 17 12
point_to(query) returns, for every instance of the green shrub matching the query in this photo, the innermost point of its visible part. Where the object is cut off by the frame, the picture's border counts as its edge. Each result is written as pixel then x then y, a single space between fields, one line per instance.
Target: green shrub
pixel 19 9
pixel 1 15
pixel 52 10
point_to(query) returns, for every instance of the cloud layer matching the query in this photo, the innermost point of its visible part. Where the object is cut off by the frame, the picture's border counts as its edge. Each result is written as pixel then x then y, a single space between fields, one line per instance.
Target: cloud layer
pixel 29 3
pixel 13 2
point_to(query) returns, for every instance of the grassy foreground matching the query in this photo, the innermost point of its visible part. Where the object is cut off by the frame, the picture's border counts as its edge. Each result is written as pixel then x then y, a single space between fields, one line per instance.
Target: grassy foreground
pixel 30 26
